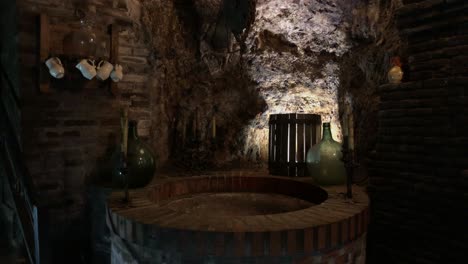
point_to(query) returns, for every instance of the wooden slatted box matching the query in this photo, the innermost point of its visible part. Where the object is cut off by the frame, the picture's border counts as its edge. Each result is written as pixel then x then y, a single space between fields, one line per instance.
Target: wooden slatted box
pixel 290 137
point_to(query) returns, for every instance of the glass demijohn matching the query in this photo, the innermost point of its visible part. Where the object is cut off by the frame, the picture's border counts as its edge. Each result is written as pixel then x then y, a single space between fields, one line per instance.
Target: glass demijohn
pixel 324 160
pixel 140 162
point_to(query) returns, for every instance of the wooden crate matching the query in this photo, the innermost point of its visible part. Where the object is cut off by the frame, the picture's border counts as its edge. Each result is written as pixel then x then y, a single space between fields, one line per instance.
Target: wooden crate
pixel 290 137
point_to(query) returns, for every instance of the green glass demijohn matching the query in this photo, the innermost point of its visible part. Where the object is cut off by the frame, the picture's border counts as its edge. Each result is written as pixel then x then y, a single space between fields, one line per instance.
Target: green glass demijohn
pixel 324 160
pixel 140 162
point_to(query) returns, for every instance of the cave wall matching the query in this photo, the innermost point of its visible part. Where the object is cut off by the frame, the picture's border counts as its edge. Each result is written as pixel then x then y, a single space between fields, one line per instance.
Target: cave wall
pixel 189 96
pixel 376 39
pixel 289 62
pixel 294 49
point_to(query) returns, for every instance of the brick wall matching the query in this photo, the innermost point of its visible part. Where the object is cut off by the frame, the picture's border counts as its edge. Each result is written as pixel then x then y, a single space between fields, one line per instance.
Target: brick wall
pixel 418 188
pixel 66 133
pixel 124 252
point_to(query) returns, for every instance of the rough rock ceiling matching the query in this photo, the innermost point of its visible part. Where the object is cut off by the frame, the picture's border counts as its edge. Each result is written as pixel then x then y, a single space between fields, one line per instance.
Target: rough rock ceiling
pixel 294 48
pixel 291 62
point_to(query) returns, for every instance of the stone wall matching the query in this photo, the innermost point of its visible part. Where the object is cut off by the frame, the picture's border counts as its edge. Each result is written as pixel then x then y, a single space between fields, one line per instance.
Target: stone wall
pixel 289 62
pixel 418 178
pixel 130 253
pixel 191 93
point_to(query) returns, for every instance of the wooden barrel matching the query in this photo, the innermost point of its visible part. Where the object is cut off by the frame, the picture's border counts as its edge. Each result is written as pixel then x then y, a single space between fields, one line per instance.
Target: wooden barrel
pixel 291 136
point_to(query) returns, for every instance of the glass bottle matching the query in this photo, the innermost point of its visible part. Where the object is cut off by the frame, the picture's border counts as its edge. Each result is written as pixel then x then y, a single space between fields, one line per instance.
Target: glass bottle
pixel 140 161
pixel 395 74
pixel 82 43
pixel 324 160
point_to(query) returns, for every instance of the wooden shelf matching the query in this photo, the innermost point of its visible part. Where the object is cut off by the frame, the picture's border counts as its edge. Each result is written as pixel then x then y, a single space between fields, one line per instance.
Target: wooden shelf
pixel 73 79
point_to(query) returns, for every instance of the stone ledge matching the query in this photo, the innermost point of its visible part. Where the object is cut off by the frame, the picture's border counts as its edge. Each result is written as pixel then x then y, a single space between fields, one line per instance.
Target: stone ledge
pixel 419 7
pixel 435 27
pixel 437 49
pixel 225 250
pixel 431 17
pixel 419 85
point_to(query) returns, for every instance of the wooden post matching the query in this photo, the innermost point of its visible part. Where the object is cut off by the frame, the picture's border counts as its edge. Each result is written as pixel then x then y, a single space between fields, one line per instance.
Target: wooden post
pixel 114 53
pixel 44 49
pixel 35 220
pixel 292 172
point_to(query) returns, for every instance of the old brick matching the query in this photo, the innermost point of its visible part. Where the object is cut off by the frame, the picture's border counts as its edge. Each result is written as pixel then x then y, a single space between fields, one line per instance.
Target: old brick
pixel 79 122
pixel 140 103
pixel 59 113
pixel 73 133
pixel 74 179
pixel 110 121
pixel 144 124
pixel 145 87
pixel 74 162
pixel 52 134
pixel 125 50
pixel 127 41
pixel 434 65
pixel 134 95
pixel 134 59
pixel 53 160
pixel 142 52
pixel 48 144
pixel 134 78
pixel 137 68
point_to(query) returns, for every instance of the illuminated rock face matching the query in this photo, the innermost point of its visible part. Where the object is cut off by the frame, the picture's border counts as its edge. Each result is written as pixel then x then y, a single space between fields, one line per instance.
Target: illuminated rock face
pixel 293 51
pixel 290 64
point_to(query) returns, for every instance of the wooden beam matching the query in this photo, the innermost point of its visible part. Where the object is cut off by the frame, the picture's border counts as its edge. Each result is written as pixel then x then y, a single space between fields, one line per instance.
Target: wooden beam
pixel 44 49
pixel 114 53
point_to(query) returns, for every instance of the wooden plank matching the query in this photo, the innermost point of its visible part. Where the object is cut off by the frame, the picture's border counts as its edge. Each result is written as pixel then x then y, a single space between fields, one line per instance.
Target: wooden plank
pixel 279 135
pixel 292 145
pixel 44 37
pixel 301 149
pixel 44 49
pixel 308 135
pixel 114 56
pixel 277 142
pixel 35 219
pixel 318 130
pixel 276 147
pixel 284 144
pixel 291 136
pixel 270 141
pixel 269 144
pixel 22 204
